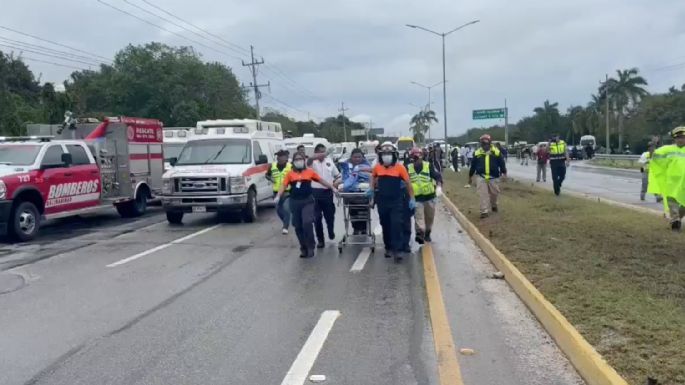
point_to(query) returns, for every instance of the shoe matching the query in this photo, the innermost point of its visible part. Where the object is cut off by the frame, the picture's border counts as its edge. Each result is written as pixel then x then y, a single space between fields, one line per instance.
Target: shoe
pixel 427 238
pixel 642 198
pixel 398 257
pixel 544 180
pixel 320 245
pixel 331 235
pixel 388 254
pixel 538 180
pixel 483 215
pixel 303 253
pixel 284 231
pixel 676 226
pixel 494 209
pixel 419 240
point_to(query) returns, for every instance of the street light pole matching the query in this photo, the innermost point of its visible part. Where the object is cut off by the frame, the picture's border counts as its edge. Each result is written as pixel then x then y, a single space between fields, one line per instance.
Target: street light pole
pixel 429 99
pixel 444 75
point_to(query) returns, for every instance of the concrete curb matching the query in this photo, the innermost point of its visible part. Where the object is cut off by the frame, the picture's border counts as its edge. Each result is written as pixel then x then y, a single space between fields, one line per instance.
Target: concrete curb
pixel 589 364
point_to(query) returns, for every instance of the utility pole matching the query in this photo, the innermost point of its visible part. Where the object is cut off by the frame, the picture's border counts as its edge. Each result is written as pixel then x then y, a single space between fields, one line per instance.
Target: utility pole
pixel 606 96
pixel 506 123
pixel 369 129
pixel 253 68
pixel 343 109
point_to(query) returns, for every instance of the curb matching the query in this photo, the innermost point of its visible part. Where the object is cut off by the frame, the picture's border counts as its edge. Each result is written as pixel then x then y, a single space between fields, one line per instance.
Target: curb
pixel 589 364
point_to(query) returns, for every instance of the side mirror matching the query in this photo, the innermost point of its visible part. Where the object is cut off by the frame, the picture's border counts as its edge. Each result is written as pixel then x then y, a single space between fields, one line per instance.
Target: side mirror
pixel 262 159
pixel 173 161
pixel 67 159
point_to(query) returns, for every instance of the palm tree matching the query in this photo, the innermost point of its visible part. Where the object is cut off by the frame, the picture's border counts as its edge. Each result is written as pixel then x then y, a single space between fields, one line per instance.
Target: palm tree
pixel 420 123
pixel 549 114
pixel 625 92
pixel 576 115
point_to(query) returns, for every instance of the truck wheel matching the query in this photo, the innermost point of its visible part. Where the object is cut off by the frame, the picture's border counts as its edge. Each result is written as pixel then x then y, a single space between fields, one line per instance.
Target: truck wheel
pixel 174 217
pixel 134 208
pixel 250 211
pixel 25 222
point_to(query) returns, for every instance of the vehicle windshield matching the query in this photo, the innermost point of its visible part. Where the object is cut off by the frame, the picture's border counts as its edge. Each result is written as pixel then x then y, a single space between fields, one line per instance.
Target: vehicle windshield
pixel 18 154
pixel 404 145
pixel 216 151
pixel 585 142
pixel 172 150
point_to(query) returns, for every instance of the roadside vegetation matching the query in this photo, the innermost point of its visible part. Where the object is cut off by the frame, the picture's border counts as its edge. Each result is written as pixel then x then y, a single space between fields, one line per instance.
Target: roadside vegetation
pixel 616 274
pixel 616 163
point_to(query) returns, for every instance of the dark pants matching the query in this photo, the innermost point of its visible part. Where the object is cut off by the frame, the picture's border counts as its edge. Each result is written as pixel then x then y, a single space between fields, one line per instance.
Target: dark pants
pixel 558 169
pixel 283 210
pixel 406 223
pixel 302 211
pixel 324 209
pixel 391 215
pixel 455 163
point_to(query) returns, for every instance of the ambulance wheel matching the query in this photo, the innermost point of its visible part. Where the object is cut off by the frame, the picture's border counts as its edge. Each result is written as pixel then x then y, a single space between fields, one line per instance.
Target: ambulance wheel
pixel 250 211
pixel 24 222
pixel 174 217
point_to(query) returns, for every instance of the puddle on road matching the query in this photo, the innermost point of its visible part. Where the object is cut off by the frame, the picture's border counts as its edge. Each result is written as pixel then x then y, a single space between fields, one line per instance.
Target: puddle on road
pixel 11 282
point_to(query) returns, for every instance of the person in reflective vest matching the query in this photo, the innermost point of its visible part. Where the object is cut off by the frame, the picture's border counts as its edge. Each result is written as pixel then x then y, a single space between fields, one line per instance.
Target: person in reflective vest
pixel 488 164
pixel 644 169
pixel 275 175
pixel 667 177
pixel 558 161
pixel 427 184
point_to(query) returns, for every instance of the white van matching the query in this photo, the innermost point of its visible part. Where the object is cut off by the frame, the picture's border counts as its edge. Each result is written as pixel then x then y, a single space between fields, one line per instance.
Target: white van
pixel 174 140
pixel 222 169
pixel 341 151
pixel 309 141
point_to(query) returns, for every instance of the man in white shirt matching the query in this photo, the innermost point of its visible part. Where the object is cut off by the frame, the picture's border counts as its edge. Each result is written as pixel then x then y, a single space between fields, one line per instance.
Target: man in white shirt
pixel 324 207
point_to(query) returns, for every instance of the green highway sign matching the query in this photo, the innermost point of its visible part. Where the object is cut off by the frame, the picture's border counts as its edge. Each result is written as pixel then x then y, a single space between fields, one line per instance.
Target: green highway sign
pixel 492 113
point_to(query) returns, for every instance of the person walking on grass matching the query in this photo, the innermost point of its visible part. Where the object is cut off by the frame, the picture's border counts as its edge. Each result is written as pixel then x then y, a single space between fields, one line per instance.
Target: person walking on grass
pixel 558 161
pixel 542 158
pixel 488 165
pixel 426 182
pixel 667 177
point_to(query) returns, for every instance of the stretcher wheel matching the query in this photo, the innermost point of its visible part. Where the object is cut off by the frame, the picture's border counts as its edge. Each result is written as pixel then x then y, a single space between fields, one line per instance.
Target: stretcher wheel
pixel 373 249
pixel 339 249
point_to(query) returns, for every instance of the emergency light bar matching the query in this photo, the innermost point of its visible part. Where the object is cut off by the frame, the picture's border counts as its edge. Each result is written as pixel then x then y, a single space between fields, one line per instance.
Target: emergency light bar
pixel 241 130
pixel 182 134
pixel 25 138
pixel 168 134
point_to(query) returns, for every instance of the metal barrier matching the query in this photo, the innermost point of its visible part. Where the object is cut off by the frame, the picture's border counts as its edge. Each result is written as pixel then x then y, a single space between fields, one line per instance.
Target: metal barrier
pixel 629 157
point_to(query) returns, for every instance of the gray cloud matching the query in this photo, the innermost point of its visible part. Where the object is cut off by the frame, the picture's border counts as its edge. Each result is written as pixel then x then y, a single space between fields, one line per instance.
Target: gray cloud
pixel 360 51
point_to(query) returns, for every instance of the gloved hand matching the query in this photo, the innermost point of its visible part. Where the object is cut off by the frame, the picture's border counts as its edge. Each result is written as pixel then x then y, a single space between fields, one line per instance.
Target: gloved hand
pixel 438 191
pixel 369 193
pixel 412 204
pixel 276 199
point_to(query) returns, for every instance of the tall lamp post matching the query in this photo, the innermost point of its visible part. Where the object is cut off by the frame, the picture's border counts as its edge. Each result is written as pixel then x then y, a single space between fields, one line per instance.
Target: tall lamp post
pixel 444 80
pixel 429 99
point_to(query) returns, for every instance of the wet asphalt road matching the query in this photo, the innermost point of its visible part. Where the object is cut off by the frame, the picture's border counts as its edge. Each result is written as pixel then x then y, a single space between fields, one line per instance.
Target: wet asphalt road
pixel 233 304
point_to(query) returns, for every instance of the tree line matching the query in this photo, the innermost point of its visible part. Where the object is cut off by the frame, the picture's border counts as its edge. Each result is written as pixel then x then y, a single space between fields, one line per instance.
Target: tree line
pixel 635 116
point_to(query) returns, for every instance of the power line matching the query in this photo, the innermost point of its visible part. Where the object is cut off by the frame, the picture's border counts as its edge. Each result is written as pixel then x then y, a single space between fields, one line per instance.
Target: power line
pixel 50 50
pixel 253 65
pixel 47 54
pixel 52 42
pixel 53 63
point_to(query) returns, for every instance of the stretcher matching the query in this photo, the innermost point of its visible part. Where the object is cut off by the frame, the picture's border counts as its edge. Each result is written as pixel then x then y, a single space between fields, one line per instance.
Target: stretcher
pixel 356 209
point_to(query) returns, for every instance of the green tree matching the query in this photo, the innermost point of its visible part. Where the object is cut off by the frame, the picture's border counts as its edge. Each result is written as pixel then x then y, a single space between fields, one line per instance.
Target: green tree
pixel 420 123
pixel 625 92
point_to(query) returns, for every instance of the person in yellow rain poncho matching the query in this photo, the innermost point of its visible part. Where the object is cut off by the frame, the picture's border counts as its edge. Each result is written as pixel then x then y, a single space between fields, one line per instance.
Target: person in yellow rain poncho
pixel 667 176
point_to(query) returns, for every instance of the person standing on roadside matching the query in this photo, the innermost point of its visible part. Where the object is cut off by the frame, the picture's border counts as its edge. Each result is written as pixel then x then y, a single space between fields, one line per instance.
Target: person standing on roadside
pixel 667 177
pixel 503 151
pixel 275 175
pixel 323 197
pixel 300 149
pixel 469 156
pixel 455 158
pixel 299 180
pixel 542 158
pixel 426 182
pixel 558 161
pixel 488 164
pixel 644 169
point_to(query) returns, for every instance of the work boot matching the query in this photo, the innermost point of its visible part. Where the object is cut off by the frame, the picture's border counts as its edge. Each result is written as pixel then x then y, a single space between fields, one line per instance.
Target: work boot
pixel 331 235
pixel 398 257
pixel 483 215
pixel 676 225
pixel 427 238
pixel 388 254
pixel 494 209
pixel 419 237
pixel 642 197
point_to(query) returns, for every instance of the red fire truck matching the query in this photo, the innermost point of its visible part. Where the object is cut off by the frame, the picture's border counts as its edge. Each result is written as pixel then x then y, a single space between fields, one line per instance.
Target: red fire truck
pixel 117 162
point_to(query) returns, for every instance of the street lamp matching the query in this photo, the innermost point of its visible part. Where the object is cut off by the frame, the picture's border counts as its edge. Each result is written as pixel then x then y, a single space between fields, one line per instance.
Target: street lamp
pixel 444 81
pixel 429 99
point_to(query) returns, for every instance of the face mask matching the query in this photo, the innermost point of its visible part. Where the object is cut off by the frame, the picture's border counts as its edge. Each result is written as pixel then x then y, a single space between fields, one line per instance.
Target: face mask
pixel 298 164
pixel 387 159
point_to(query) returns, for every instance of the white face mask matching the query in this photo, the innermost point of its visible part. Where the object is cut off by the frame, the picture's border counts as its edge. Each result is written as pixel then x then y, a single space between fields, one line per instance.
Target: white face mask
pixel 298 164
pixel 387 159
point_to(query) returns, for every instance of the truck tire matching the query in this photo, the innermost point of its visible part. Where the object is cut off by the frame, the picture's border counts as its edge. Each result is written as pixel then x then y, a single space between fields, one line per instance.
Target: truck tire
pixel 135 207
pixel 174 217
pixel 250 210
pixel 24 222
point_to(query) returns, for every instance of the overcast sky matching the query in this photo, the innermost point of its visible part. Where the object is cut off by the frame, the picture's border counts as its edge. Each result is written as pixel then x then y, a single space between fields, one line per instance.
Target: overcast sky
pixel 360 52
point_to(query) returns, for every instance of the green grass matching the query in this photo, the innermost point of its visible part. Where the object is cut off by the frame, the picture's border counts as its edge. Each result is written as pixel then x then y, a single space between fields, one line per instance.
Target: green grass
pixel 615 163
pixel 616 274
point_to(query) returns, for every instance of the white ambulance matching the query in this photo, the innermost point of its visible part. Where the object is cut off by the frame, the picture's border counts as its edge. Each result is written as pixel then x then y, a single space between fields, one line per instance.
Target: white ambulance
pixel 222 168
pixel 174 140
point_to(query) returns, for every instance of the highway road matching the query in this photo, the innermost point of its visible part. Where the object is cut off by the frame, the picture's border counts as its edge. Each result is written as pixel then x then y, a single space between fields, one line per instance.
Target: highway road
pixel 143 302
pixel 615 184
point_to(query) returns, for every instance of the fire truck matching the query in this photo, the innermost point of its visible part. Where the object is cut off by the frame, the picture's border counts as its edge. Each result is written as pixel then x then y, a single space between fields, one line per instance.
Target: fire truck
pixel 222 168
pixel 117 162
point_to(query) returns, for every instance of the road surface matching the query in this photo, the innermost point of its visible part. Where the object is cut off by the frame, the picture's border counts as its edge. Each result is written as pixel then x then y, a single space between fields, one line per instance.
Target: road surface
pixel 615 184
pixel 144 302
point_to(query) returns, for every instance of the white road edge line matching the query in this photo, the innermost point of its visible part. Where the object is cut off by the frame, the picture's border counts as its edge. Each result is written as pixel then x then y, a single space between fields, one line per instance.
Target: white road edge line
pixel 300 368
pixel 162 247
pixel 363 256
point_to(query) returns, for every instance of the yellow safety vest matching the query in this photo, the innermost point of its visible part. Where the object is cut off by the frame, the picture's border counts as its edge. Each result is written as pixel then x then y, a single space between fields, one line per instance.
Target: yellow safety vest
pixel 277 175
pixel 481 153
pixel 421 182
pixel 667 173
pixel 557 150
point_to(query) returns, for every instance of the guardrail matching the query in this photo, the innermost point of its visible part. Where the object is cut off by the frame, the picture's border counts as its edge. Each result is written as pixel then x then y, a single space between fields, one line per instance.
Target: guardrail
pixel 629 157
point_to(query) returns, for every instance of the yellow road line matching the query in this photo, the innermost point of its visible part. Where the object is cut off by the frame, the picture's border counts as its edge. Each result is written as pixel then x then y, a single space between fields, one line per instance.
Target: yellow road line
pixel 448 366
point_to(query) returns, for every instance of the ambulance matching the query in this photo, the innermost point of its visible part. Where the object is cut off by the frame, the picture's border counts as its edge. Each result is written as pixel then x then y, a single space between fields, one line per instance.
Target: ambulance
pixel 174 140
pixel 222 169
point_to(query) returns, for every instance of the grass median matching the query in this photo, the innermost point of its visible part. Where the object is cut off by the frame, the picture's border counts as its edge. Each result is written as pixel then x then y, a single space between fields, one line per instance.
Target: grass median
pixel 615 163
pixel 616 274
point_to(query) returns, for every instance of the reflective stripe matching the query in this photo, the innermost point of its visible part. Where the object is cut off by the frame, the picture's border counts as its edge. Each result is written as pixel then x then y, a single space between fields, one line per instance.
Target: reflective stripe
pixel 480 152
pixel 421 182
pixel 278 175
pixel 557 150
